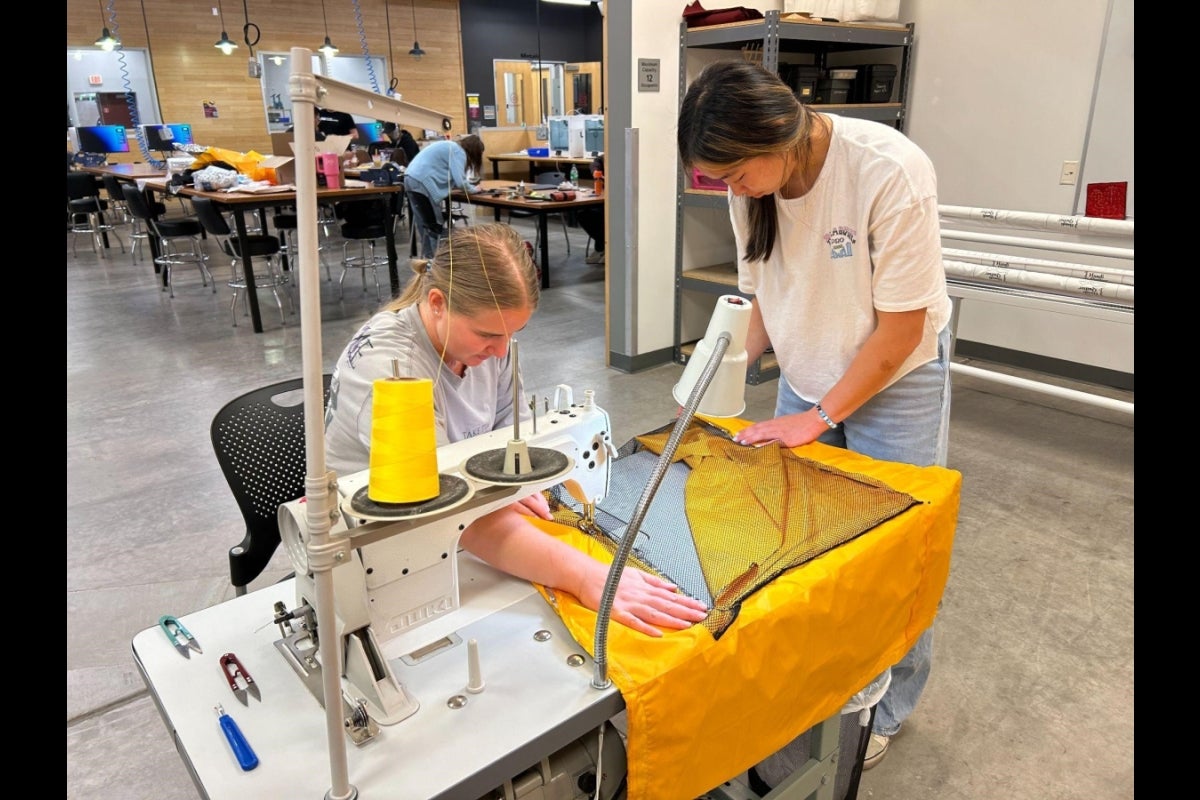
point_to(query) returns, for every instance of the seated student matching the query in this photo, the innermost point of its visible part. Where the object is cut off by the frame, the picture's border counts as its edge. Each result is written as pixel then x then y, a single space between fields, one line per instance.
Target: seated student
pixel 460 341
pixel 591 219
pixel 408 144
pixel 402 142
pixel 389 144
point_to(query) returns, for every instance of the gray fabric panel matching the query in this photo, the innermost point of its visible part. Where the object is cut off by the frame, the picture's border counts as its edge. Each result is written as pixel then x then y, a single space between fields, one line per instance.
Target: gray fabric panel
pixel 665 539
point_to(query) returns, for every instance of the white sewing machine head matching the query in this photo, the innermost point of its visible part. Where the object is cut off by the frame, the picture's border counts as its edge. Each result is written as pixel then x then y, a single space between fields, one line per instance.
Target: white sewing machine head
pixel 404 573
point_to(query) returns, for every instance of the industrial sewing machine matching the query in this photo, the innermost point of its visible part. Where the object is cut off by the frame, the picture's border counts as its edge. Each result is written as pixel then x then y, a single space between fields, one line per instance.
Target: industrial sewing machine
pixel 402 577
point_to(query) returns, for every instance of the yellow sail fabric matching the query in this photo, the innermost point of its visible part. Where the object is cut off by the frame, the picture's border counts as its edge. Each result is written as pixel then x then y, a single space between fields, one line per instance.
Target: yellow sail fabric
pixel 754 512
pixel 703 709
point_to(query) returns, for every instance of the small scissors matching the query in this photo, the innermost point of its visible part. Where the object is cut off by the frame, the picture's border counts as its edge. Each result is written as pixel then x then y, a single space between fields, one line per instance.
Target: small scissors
pixel 233 670
pixel 179 635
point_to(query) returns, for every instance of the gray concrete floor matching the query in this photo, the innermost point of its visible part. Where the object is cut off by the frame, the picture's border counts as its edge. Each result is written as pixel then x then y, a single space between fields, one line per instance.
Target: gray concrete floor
pixel 1031 695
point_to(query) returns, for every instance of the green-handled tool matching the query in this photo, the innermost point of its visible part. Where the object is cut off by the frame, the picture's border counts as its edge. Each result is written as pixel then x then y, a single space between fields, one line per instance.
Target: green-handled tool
pixel 179 635
pixel 237 740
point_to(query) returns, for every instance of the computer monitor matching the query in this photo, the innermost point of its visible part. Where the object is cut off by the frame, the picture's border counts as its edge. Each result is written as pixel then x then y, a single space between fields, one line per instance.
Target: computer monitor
pixel 369 133
pixel 164 137
pixel 102 139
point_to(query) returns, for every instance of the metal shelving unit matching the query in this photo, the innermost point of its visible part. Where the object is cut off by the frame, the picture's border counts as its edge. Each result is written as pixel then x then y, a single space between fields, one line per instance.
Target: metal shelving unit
pixel 769 38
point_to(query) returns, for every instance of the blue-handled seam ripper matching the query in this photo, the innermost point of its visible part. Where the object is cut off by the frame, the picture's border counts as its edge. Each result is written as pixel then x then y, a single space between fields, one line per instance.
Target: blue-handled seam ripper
pixel 246 758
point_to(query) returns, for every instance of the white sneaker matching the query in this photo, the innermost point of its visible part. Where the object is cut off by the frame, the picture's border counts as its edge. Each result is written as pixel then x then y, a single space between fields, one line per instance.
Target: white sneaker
pixel 594 258
pixel 876 749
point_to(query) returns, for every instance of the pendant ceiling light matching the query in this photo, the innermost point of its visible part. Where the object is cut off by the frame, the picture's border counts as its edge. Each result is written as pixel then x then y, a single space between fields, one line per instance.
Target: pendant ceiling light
pixel 328 49
pixel 224 44
pixel 106 40
pixel 391 59
pixel 416 51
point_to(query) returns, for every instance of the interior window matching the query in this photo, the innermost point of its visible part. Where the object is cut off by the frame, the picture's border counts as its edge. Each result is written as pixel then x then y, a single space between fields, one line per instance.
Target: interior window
pixel 352 69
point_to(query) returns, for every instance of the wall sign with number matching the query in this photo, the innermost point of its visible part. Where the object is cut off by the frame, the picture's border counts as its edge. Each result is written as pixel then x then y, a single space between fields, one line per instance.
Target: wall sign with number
pixel 649 74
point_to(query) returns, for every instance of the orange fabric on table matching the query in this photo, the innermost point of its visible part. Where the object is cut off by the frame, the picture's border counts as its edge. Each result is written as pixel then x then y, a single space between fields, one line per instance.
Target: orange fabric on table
pixel 702 710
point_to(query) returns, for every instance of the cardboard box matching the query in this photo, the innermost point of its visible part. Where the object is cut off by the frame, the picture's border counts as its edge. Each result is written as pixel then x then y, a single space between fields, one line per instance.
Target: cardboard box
pixel 331 151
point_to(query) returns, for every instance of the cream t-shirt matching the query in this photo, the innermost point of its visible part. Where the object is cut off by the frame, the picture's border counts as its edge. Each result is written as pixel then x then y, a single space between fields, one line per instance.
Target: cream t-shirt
pixel 866 237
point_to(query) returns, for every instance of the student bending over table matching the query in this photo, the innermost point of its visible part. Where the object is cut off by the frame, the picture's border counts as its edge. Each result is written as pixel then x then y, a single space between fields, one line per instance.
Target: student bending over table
pixel 836 225
pixel 462 346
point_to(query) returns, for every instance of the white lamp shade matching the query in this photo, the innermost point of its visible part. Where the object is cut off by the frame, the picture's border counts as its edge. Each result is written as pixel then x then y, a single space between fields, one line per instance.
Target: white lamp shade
pixel 726 394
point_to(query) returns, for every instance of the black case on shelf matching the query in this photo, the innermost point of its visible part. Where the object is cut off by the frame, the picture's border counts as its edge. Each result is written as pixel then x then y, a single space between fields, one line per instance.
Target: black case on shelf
pixel 873 83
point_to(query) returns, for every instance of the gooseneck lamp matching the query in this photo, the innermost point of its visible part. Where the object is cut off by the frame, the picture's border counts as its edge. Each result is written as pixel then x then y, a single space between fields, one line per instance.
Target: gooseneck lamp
pixel 717 369
pixel 224 44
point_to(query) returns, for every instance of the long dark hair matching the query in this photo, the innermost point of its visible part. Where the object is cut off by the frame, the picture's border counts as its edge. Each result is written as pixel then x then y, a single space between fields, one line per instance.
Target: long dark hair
pixel 735 111
pixel 473 145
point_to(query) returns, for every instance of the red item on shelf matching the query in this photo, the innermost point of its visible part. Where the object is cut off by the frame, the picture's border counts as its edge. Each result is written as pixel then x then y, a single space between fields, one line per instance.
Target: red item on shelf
pixel 695 15
pixel 1106 200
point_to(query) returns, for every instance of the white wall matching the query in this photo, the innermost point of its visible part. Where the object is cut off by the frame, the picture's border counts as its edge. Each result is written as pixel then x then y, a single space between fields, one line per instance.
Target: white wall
pixel 1002 93
pixel 1000 96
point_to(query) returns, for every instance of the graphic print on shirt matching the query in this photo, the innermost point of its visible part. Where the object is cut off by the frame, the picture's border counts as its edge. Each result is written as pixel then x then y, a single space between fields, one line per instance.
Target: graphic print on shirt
pixel 360 342
pixel 841 242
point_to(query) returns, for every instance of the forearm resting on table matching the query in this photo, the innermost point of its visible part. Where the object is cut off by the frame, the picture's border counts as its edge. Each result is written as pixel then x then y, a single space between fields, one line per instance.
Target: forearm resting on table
pixel 509 542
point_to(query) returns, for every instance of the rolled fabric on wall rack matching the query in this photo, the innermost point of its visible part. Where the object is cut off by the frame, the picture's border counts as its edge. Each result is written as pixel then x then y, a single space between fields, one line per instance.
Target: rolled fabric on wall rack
pixel 1037 284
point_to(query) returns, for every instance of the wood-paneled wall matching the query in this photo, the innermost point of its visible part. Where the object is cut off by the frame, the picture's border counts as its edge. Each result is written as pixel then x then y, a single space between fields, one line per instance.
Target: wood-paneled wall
pixel 188 70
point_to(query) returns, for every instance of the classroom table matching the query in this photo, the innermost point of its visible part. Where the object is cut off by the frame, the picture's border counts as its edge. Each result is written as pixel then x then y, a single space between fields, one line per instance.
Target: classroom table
pixel 502 194
pixel 533 161
pixel 127 172
pixel 241 202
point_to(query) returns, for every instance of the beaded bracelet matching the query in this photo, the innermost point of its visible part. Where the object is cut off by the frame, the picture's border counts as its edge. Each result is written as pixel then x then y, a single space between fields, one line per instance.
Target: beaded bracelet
pixel 825 417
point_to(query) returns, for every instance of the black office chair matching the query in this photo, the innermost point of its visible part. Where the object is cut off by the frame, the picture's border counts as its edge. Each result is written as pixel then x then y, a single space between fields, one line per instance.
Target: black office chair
pixel 171 231
pixel 259 442
pixel 263 248
pixel 85 211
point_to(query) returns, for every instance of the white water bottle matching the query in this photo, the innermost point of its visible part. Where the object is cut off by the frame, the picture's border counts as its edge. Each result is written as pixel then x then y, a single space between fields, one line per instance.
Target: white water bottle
pixel 574 175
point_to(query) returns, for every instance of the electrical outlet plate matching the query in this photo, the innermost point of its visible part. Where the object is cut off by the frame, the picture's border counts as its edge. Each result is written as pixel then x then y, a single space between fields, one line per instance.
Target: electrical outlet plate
pixel 1070 172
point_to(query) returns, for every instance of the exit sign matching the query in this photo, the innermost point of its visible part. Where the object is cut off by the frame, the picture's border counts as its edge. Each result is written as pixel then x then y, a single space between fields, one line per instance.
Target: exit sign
pixel 95 80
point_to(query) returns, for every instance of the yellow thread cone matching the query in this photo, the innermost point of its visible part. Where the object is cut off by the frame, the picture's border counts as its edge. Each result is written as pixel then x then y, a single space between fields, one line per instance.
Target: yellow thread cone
pixel 403 443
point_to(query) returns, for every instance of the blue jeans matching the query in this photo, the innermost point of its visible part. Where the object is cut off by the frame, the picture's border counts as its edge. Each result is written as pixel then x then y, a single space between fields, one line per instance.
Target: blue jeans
pixel 908 422
pixel 426 219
